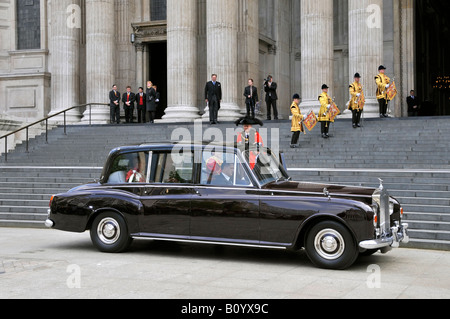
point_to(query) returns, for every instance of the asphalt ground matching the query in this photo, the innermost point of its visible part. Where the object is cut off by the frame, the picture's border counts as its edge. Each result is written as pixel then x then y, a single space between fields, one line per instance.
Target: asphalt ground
pixel 49 264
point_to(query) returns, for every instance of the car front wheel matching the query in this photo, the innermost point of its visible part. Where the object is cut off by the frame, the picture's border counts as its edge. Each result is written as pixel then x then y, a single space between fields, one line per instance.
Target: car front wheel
pixel 330 245
pixel 109 233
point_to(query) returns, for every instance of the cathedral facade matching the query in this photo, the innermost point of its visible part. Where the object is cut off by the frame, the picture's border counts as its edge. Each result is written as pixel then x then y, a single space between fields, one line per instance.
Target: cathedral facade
pixel 55 54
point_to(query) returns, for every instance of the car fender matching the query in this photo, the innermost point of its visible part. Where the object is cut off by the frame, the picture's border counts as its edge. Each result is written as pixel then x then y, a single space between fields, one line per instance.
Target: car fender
pixel 348 213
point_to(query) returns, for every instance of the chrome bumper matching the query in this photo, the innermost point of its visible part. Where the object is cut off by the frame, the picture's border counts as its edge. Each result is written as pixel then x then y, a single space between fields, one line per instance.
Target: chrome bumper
pixel 49 223
pixel 399 234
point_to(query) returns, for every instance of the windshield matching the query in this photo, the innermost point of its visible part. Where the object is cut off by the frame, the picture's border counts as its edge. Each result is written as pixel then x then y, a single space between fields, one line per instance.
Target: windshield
pixel 266 167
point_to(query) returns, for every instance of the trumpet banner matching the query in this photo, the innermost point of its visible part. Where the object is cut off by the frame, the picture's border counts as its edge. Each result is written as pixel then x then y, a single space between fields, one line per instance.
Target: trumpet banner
pixel 310 121
pixel 333 111
pixel 362 101
pixel 391 92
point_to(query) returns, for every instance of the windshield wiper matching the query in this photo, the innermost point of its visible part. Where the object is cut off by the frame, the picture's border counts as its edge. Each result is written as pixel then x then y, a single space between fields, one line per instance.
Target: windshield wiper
pixel 282 177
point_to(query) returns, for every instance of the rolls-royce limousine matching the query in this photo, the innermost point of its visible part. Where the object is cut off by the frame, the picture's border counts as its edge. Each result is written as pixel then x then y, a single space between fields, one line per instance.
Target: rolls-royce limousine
pixel 226 195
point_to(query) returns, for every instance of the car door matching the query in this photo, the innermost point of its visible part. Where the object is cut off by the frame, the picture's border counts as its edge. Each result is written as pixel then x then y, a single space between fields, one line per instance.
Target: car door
pixel 225 207
pixel 167 197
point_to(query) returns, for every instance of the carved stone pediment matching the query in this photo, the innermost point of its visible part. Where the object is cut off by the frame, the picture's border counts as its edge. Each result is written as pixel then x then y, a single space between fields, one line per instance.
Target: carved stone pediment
pixel 150 31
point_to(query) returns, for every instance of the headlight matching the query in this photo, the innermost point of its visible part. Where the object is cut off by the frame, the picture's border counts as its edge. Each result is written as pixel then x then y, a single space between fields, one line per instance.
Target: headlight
pixel 376 210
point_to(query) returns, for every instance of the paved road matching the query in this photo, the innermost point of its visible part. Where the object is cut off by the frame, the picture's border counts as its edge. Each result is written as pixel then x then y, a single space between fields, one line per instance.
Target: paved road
pixel 39 263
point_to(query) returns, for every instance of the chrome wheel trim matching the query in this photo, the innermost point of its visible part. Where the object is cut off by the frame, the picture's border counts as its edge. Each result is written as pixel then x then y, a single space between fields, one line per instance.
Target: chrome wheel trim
pixel 329 244
pixel 108 231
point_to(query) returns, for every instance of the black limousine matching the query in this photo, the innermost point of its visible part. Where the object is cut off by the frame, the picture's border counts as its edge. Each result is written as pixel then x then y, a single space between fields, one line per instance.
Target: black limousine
pixel 222 195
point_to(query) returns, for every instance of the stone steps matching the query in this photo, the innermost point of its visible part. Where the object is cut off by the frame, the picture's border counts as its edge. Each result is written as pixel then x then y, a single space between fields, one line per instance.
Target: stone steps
pixel 412 156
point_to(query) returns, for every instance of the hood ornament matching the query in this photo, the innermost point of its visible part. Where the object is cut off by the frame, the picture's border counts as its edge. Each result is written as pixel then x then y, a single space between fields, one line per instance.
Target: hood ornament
pixel 326 193
pixel 381 183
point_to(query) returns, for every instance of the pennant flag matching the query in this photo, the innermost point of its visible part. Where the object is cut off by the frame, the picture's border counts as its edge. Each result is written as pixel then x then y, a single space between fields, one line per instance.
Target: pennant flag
pixel 391 92
pixel 362 101
pixel 333 111
pixel 310 121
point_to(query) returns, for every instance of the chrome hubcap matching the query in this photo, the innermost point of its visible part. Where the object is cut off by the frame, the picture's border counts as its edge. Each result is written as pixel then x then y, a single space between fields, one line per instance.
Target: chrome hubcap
pixel 329 244
pixel 108 231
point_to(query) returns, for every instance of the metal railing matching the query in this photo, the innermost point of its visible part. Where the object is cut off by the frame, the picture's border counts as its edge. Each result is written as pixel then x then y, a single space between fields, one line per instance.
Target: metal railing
pixel 46 119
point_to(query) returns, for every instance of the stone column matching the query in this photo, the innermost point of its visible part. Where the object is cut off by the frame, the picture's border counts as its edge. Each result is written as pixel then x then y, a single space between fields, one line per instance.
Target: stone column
pixel 222 48
pixel 139 65
pixel 100 58
pixel 125 53
pixel 317 51
pixel 182 83
pixel 404 54
pixel 248 54
pixel 65 59
pixel 366 47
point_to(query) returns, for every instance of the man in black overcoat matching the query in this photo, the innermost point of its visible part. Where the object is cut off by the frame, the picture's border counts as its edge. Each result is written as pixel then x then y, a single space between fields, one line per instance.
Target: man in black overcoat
pixel 128 99
pixel 213 96
pixel 114 105
pixel 251 98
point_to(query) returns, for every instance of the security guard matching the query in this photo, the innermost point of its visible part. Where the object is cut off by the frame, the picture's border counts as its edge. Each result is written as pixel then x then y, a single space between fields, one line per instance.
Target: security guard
pixel 356 92
pixel 297 118
pixel 383 83
pixel 324 115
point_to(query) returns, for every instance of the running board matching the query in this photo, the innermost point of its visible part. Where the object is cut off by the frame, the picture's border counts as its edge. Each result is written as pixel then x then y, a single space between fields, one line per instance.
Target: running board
pixel 208 242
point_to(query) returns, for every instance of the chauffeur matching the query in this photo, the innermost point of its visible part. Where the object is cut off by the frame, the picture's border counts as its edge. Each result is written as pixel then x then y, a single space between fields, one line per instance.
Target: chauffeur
pixel 324 115
pixel 383 83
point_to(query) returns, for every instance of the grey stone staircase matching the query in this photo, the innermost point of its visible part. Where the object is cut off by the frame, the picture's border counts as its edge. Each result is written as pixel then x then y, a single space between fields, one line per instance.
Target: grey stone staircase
pixel 412 156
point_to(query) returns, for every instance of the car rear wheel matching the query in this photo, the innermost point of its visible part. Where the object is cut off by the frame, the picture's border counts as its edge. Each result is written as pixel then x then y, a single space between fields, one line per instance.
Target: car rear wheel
pixel 109 233
pixel 330 245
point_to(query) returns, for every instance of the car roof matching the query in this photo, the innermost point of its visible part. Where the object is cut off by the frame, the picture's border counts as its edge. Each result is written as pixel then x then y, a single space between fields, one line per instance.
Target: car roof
pixel 169 145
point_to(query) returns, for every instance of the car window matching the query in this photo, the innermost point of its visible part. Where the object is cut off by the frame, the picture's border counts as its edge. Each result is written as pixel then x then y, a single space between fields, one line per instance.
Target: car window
pixel 219 169
pixel 166 170
pixel 129 168
pixel 267 168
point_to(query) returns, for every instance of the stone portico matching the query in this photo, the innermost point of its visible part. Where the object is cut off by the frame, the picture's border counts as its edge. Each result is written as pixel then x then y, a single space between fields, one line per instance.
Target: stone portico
pixel 86 46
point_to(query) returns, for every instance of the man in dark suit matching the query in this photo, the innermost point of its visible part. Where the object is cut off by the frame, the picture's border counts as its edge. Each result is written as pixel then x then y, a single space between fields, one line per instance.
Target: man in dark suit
pixel 270 88
pixel 225 178
pixel 213 96
pixel 151 102
pixel 114 105
pixel 128 99
pixel 413 104
pixel 141 103
pixel 251 98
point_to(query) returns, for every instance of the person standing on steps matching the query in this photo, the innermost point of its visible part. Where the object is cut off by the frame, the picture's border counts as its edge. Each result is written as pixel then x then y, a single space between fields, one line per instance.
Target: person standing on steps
pixel 158 96
pixel 297 118
pixel 128 99
pixel 141 100
pixel 151 102
pixel 251 98
pixel 413 104
pixel 270 88
pixel 114 105
pixel 383 82
pixel 324 115
pixel 213 96
pixel 356 93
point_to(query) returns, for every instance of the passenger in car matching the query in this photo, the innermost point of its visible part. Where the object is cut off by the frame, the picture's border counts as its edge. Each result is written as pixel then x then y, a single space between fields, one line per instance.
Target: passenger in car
pixel 225 177
pixel 134 174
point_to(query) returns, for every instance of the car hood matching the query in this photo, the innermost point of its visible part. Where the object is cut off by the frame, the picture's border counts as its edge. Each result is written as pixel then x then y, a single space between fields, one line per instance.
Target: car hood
pixel 357 193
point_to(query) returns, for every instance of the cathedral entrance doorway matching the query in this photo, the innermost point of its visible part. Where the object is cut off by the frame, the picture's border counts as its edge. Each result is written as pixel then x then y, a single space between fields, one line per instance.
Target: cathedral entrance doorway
pixel 432 52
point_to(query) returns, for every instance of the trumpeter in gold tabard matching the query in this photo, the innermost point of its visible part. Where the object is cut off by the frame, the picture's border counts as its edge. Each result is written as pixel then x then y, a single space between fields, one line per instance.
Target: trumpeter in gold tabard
pixel 324 115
